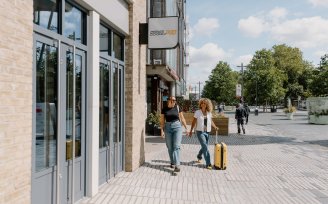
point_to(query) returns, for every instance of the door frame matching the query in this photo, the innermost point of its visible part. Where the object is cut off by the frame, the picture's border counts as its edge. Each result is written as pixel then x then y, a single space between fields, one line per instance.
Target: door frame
pixel 55 190
pixel 114 152
pixel 67 170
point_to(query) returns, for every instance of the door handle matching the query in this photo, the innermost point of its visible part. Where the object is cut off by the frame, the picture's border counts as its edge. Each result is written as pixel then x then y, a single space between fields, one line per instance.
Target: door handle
pixel 60 176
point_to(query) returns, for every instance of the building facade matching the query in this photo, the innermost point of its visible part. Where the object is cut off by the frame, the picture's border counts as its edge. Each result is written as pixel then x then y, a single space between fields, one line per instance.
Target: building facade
pixel 166 68
pixel 72 96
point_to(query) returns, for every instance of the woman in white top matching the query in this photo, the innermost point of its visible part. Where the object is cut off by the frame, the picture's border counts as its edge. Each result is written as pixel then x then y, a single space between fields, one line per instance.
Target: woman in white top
pixel 203 118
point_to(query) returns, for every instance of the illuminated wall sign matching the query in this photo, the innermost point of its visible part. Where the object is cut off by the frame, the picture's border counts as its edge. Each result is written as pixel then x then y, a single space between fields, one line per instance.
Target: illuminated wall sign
pixel 163 32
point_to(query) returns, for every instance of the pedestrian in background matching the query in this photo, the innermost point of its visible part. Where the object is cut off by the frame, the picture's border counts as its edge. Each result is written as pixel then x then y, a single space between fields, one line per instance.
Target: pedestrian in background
pixel 171 130
pixel 247 110
pixel 203 119
pixel 240 115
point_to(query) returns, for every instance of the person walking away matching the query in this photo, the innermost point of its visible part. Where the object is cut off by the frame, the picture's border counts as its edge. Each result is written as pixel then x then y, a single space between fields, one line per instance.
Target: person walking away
pixel 240 114
pixel 247 110
pixel 171 130
pixel 203 119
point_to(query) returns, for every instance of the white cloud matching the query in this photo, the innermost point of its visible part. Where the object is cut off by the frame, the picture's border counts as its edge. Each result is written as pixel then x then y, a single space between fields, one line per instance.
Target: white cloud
pixel 303 33
pixel 278 13
pixel 206 26
pixel 203 60
pixel 252 26
pixel 245 59
pixel 318 3
pixel 300 32
pixel 318 54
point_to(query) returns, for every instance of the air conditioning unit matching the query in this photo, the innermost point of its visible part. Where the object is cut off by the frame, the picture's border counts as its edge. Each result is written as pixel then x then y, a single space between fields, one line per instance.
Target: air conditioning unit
pixel 157 61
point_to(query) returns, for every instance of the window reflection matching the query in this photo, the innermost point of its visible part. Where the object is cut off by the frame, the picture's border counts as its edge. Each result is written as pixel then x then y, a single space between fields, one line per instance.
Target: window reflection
pixel 78 92
pixel 118 47
pixel 46 106
pixel 104 105
pixel 46 14
pixel 74 23
pixel 70 102
pixel 115 102
pixel 104 40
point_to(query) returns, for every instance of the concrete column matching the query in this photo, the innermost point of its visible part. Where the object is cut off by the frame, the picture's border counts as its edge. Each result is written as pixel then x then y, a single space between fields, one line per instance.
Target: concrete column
pixel 92 120
pixel 172 88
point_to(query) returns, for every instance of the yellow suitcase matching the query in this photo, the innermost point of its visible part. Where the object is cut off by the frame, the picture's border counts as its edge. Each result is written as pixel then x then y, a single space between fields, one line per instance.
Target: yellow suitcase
pixel 220 154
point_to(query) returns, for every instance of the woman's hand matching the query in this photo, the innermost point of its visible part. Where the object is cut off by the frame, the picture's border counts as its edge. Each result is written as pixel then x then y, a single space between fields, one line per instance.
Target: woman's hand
pixel 162 134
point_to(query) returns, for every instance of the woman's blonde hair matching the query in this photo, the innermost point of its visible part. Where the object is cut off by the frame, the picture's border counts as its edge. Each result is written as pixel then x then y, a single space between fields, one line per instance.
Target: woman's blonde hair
pixel 208 102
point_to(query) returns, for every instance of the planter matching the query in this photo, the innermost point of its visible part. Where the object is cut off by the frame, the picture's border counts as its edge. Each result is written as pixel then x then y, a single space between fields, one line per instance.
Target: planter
pixel 290 116
pixel 151 129
pixel 157 131
pixel 318 110
pixel 320 120
pixel 223 124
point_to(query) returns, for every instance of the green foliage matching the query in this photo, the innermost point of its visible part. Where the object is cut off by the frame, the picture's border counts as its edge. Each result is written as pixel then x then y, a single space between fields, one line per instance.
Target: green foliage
pixel 221 84
pixel 154 118
pixel 290 61
pixel 319 83
pixel 317 114
pixel 262 77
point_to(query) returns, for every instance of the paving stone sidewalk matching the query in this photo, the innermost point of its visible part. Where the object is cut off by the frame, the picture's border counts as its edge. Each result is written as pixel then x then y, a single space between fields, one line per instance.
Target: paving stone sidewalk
pixel 263 167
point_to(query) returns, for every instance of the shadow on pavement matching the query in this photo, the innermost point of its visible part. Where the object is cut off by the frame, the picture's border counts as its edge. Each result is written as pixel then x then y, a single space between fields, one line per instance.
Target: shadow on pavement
pixel 233 139
pixel 318 142
pixel 155 139
pixel 165 165
pixel 162 167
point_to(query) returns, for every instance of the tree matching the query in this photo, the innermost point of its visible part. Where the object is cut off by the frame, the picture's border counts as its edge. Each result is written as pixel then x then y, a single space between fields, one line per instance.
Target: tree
pixel 319 83
pixel 263 79
pixel 290 61
pixel 221 84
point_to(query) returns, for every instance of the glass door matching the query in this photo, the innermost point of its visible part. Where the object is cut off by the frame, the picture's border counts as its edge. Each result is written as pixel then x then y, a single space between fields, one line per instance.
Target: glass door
pixel 105 104
pixel 72 138
pixel 117 119
pixel 45 123
pixel 110 119
pixel 58 120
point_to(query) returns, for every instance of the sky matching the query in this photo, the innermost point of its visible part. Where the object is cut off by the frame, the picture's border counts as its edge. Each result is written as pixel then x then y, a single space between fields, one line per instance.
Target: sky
pixel 233 30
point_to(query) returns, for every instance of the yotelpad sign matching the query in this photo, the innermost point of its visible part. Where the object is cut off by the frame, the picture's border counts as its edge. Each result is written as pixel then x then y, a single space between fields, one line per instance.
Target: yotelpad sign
pixel 163 32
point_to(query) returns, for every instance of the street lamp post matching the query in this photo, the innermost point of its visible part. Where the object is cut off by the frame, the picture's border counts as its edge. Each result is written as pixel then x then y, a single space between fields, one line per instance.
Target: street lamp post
pixel 242 81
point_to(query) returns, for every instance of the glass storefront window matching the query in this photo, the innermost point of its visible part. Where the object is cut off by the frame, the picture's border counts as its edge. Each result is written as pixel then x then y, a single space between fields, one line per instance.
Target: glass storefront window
pixel 45 14
pixel 105 40
pixel 104 102
pixel 118 47
pixel 46 107
pixel 74 21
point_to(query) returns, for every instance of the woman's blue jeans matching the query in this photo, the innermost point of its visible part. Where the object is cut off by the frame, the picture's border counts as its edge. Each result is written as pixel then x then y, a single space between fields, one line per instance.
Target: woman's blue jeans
pixel 203 138
pixel 173 137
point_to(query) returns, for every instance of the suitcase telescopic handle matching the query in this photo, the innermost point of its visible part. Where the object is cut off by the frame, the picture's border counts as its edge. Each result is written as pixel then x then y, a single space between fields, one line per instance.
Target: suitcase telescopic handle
pixel 216 137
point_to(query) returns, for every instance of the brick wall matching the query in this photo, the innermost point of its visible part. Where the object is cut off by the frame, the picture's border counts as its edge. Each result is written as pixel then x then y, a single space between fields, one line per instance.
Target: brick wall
pixel 135 87
pixel 16 42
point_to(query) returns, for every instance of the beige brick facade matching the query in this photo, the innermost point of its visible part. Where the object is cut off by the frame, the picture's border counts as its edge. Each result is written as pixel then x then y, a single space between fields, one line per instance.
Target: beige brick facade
pixel 135 89
pixel 16 43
